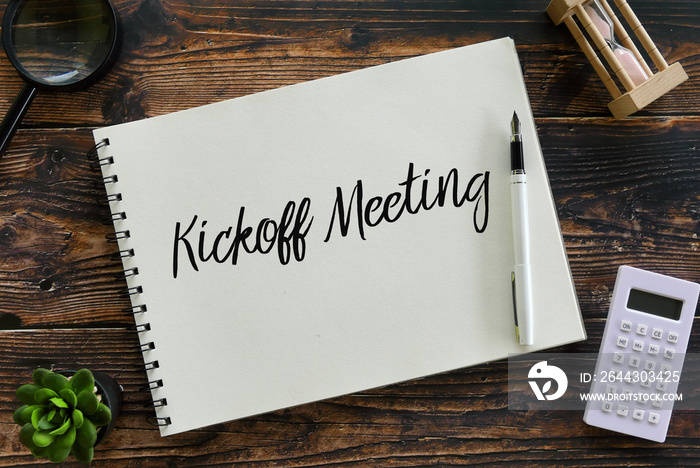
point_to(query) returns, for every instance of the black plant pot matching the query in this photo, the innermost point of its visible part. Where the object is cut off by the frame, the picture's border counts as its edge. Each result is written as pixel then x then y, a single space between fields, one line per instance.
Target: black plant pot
pixel 111 393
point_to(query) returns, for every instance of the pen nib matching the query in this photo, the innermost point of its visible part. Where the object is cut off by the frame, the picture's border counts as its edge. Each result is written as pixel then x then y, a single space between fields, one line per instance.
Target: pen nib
pixel 515 124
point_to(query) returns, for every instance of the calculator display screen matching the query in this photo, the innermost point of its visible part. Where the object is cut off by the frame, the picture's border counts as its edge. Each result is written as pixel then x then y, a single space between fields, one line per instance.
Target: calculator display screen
pixel 654 304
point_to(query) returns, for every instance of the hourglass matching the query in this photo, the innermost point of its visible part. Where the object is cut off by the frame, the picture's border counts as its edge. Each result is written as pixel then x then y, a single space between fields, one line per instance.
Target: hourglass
pixel 641 85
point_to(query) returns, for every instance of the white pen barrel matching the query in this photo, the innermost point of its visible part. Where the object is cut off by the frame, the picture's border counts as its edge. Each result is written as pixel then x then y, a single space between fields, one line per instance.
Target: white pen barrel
pixel 521 268
pixel 521 228
pixel 523 299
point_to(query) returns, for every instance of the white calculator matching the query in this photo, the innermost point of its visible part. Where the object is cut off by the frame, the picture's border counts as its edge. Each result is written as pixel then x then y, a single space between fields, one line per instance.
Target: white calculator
pixel 641 355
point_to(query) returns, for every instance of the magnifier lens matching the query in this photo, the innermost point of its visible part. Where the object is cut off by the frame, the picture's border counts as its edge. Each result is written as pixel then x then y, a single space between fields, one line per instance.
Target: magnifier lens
pixel 59 42
pixel 60 45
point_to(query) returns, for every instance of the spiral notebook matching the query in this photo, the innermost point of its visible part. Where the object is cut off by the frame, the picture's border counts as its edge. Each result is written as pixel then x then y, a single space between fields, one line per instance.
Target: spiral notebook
pixel 332 236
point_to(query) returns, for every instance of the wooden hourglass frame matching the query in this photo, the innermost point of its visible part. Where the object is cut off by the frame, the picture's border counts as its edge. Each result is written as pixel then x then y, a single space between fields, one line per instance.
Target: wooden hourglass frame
pixel 641 85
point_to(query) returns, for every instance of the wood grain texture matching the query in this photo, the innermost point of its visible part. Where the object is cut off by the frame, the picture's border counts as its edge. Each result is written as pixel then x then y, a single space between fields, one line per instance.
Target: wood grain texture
pixel 457 418
pixel 203 52
pixel 627 192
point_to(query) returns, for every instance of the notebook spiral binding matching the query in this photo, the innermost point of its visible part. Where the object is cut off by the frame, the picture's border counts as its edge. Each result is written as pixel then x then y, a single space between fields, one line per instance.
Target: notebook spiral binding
pixel 130 272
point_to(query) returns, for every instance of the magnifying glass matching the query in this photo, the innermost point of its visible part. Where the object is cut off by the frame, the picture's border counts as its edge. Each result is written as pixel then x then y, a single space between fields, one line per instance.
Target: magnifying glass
pixel 58 45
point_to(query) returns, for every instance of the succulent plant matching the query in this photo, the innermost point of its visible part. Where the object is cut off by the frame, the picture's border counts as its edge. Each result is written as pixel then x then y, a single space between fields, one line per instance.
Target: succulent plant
pixel 60 415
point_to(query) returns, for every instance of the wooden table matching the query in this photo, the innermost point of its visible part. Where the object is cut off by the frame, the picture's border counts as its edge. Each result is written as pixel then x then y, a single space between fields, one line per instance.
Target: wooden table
pixel 627 192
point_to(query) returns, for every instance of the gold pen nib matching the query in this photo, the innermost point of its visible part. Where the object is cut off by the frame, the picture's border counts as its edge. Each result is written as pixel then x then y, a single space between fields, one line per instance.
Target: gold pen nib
pixel 515 124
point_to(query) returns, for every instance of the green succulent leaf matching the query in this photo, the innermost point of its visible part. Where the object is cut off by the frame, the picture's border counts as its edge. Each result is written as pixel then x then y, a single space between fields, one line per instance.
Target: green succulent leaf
pixel 43 438
pixel 43 395
pixel 87 434
pixel 27 413
pixel 57 417
pixel 62 430
pixel 26 393
pixel 44 424
pixel 39 374
pixel 60 416
pixel 83 454
pixel 59 402
pixel 69 396
pixel 102 416
pixel 82 380
pixel 57 453
pixel 25 435
pixel 37 414
pixel 87 402
pixel 39 452
pixel 77 418
pixel 17 415
pixel 67 439
pixel 55 382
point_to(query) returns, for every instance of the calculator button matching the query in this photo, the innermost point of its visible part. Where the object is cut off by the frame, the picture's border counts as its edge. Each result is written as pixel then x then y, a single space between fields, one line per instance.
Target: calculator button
pixel 657 402
pixel 653 349
pixel 618 358
pixel 641 329
pixel 638 345
pixel 657 333
pixel 638 414
pixel 610 389
pixel 669 353
pixel 672 337
pixel 626 325
pixel 622 410
pixel 654 417
pixel 634 361
pixel 645 383
pixel 621 342
pixel 650 365
pixel 665 370
pixel 607 406
pixel 662 385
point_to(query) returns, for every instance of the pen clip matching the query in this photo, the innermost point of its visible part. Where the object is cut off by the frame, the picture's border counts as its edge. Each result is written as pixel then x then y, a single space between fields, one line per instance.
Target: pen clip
pixel 515 306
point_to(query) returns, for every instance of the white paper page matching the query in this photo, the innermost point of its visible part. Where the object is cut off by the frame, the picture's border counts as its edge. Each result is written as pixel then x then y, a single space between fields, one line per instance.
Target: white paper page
pixel 424 292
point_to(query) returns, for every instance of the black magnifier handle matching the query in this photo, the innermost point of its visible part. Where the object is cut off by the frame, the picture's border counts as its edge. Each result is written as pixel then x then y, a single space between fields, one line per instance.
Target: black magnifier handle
pixel 15 114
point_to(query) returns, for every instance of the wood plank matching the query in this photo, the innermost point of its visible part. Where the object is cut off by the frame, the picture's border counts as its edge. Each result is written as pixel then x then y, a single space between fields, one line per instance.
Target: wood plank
pixel 627 193
pixel 458 417
pixel 55 264
pixel 201 54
